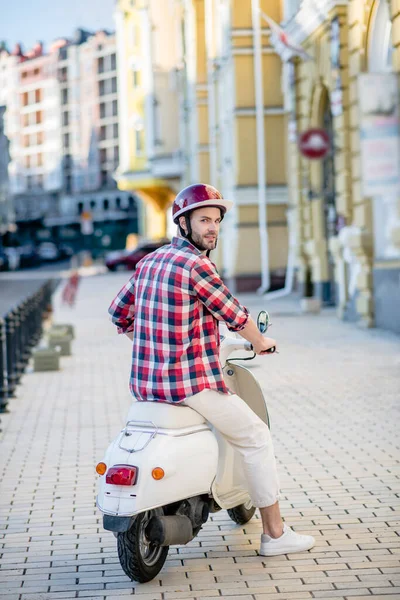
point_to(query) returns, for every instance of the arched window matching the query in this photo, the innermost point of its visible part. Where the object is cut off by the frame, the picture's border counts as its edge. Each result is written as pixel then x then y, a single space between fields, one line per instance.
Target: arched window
pixel 93 204
pixel 106 204
pixel 380 48
pixel 118 202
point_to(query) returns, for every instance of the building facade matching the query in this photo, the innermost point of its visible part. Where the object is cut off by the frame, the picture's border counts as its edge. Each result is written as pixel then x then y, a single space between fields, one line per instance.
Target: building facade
pixel 201 100
pixel 62 123
pixel 148 70
pixel 348 239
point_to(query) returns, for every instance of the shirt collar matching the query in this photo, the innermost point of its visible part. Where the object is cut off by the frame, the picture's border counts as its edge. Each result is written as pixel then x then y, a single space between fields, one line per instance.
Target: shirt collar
pixel 178 242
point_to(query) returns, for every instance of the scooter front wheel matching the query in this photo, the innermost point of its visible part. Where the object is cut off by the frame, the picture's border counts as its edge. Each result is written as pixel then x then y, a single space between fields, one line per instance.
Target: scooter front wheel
pixel 241 514
pixel 140 559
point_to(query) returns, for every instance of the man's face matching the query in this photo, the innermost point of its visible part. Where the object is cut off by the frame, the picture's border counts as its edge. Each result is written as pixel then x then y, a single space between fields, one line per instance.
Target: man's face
pixel 205 223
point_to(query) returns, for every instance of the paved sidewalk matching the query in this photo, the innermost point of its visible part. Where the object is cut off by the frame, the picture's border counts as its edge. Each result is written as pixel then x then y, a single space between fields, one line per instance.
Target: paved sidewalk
pixel 333 396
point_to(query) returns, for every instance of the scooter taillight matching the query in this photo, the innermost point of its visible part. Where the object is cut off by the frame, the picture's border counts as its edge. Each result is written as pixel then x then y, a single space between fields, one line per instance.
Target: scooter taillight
pixel 122 475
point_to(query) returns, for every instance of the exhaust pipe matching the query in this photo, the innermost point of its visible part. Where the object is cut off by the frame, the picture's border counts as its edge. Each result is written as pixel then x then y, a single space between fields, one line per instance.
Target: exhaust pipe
pixel 169 530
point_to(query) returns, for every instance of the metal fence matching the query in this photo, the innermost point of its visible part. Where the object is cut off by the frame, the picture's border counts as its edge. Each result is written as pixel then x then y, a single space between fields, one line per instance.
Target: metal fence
pixel 20 330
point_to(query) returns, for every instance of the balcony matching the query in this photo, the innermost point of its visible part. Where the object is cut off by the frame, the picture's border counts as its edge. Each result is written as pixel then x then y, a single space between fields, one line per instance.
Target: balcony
pixel 167 166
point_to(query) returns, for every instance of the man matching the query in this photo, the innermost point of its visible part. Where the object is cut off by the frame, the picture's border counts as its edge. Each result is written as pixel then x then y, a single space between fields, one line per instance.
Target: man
pixel 170 309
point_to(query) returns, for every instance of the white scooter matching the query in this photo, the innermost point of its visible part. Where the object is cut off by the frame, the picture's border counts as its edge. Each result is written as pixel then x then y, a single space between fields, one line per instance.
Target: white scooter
pixel 168 469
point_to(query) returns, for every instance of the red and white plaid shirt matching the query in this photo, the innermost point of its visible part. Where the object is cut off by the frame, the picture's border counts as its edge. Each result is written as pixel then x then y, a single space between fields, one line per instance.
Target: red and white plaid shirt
pixel 173 304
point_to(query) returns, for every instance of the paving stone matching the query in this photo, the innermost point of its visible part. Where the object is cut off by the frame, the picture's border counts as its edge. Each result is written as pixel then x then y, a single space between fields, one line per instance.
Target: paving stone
pixel 335 436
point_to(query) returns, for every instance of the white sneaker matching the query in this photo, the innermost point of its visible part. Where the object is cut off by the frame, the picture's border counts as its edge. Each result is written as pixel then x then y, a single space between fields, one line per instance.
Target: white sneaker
pixel 288 542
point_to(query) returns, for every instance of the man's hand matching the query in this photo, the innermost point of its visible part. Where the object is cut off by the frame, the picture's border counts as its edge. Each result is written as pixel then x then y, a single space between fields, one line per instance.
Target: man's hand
pixel 265 344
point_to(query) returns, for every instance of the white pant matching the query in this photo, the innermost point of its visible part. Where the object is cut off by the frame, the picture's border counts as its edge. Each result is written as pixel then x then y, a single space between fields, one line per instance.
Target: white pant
pixel 249 435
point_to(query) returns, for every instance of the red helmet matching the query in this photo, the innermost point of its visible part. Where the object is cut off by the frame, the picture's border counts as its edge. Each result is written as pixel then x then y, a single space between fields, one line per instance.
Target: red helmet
pixel 197 195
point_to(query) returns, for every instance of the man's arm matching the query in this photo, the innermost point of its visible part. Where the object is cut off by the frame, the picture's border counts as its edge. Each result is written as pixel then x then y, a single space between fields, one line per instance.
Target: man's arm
pixel 211 291
pixel 252 334
pixel 122 309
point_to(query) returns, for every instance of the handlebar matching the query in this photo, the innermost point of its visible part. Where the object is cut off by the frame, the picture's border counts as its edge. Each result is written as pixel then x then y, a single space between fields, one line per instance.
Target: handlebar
pixel 269 351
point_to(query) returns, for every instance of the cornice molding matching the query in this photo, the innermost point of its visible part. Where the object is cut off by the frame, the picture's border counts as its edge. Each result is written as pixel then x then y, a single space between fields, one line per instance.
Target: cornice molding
pixel 311 14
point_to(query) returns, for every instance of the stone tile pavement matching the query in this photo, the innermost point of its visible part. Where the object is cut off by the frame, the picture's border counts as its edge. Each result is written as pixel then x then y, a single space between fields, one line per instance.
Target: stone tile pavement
pixel 333 395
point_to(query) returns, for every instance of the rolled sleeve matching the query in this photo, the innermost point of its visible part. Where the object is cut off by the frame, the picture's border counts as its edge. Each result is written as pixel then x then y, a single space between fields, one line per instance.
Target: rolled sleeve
pixel 213 293
pixel 122 308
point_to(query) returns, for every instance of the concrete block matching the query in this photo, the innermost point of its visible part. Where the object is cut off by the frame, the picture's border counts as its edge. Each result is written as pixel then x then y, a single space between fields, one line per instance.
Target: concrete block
pixel 63 328
pixel 310 305
pixel 61 342
pixel 46 359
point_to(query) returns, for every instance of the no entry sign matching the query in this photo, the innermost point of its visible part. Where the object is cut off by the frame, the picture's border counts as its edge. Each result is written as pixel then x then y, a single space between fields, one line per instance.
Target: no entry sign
pixel 314 143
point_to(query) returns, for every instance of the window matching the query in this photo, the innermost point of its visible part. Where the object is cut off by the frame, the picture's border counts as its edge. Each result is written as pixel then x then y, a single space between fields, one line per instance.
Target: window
pixel 93 204
pixel 118 202
pixel 113 85
pixel 64 97
pixel 102 89
pixel 116 154
pixel 38 117
pixel 115 130
pixel 103 155
pixel 102 132
pixel 39 180
pixel 29 182
pixel 135 78
pixel 40 138
pixel 102 110
pixel 113 62
pixel 104 177
pixel 26 120
pixel 80 208
pixel 40 159
pixel 114 108
pixel 65 119
pixel 139 144
pixel 24 74
pixel 26 141
pixel 28 162
pixel 38 96
pixel 25 100
pixel 36 71
pixel 100 66
pixel 106 204
pixel 66 140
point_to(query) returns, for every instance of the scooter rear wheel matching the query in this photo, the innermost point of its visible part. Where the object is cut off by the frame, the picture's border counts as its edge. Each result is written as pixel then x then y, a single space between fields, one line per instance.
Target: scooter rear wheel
pixel 241 514
pixel 140 559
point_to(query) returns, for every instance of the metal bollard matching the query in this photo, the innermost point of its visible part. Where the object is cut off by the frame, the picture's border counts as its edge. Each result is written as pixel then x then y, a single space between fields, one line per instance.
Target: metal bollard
pixel 11 354
pixel 3 368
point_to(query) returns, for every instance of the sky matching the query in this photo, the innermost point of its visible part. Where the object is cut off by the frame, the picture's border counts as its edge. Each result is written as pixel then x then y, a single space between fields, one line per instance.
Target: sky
pixel 29 21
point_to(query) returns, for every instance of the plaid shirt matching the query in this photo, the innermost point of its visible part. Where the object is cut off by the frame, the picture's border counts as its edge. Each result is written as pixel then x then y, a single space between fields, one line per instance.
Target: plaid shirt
pixel 173 304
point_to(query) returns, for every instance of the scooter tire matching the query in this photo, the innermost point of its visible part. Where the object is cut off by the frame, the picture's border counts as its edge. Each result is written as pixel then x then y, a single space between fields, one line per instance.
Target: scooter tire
pixel 240 514
pixel 139 560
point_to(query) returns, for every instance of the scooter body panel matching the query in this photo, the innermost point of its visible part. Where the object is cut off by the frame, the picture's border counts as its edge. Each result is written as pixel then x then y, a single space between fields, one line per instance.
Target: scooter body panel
pixel 189 460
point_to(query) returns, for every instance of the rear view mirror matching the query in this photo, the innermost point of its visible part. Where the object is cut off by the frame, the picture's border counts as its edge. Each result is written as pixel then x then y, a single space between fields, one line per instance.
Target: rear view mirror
pixel 263 321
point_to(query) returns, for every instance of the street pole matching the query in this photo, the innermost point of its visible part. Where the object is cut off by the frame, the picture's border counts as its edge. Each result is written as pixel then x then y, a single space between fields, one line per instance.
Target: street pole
pixel 261 158
pixel 210 51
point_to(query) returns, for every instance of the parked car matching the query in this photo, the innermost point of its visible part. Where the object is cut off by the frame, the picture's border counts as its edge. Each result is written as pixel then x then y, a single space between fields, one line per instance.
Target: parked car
pixel 128 259
pixel 28 255
pixel 4 264
pixel 48 251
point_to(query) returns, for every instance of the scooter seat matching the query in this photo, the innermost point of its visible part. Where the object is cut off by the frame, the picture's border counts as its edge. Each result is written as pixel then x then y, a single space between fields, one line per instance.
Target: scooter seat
pixel 167 416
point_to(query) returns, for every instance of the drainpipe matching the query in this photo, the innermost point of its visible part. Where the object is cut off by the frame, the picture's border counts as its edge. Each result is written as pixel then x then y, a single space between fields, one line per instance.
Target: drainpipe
pixel 210 52
pixel 261 158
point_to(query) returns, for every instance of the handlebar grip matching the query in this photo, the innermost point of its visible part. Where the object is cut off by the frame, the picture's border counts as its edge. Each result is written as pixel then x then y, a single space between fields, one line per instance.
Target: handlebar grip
pixel 270 350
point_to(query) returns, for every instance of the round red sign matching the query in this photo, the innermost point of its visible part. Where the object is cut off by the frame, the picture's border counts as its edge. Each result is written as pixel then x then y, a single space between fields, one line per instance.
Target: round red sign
pixel 314 143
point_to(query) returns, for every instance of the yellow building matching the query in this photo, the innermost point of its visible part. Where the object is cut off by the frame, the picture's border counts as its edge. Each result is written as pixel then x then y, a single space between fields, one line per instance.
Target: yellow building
pixel 229 126
pixel 348 239
pixel 150 155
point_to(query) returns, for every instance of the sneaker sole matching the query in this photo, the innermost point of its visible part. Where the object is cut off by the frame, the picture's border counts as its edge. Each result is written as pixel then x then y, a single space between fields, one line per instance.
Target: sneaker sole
pixel 287 551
